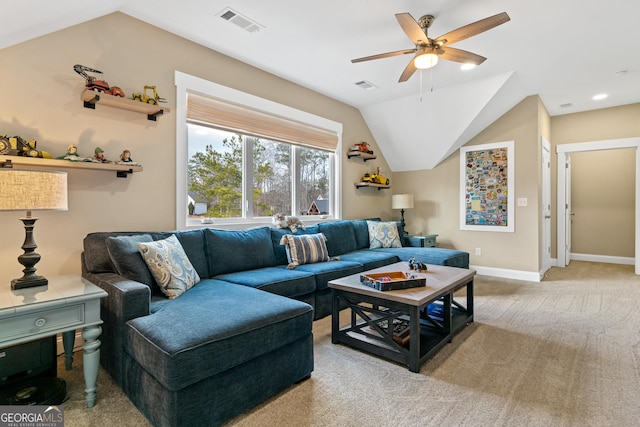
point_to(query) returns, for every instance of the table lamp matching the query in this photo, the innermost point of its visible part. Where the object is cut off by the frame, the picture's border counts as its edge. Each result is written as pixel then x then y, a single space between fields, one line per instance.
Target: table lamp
pixel 402 202
pixel 29 190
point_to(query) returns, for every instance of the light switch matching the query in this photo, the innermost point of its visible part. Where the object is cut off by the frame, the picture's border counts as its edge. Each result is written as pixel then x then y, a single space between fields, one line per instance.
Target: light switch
pixel 522 201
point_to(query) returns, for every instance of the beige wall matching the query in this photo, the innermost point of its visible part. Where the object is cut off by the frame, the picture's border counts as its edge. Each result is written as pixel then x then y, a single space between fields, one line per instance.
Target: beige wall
pixel 603 182
pixel 437 195
pixel 41 100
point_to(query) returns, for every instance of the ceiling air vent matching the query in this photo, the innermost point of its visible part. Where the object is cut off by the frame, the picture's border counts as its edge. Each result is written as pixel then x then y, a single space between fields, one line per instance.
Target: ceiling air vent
pixel 241 21
pixel 366 85
pixel 567 105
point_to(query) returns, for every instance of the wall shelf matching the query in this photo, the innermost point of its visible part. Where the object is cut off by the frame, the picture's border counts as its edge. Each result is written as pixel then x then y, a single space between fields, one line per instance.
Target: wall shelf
pixel 370 184
pixel 121 170
pixel 364 156
pixel 91 98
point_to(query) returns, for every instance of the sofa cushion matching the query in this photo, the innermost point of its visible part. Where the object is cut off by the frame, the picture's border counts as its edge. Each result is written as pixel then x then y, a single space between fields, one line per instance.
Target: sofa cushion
pixel 325 271
pixel 341 237
pixel 215 326
pixel 383 235
pixel 96 255
pixel 277 280
pixel 192 242
pixel 305 249
pixel 361 231
pixel 370 259
pixel 127 260
pixel 238 250
pixel 436 256
pixel 276 236
pixel 169 265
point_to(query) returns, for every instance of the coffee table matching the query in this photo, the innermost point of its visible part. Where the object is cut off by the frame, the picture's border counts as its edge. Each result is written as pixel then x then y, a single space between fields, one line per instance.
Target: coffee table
pixel 373 313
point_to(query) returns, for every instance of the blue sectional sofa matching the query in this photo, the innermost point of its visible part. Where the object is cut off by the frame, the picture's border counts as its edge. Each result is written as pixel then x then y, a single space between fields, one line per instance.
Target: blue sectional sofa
pixel 240 335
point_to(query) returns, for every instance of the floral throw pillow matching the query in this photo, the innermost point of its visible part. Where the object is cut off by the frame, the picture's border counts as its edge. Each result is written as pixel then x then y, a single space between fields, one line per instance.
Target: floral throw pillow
pixel 169 265
pixel 305 249
pixel 383 235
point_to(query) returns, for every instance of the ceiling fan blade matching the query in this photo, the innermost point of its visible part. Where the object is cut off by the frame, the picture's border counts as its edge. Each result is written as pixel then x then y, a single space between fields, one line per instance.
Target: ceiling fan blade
pixel 411 28
pixel 384 55
pixel 459 55
pixel 408 71
pixel 473 29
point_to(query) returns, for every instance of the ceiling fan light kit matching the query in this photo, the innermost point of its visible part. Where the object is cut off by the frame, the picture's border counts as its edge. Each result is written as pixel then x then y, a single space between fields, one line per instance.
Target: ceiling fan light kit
pixel 427 51
pixel 426 60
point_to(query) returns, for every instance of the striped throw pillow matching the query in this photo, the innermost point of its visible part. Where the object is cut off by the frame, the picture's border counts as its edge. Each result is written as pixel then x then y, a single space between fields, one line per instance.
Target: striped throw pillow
pixel 305 249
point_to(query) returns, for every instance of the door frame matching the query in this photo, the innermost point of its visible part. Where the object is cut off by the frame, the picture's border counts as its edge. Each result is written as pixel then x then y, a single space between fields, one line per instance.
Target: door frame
pixel 545 212
pixel 563 151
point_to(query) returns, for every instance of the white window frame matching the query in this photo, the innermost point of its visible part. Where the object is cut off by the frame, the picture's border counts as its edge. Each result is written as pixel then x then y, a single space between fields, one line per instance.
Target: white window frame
pixel 187 83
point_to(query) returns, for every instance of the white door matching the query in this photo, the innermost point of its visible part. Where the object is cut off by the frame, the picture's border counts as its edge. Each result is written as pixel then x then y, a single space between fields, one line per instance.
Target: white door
pixel 546 206
pixel 568 216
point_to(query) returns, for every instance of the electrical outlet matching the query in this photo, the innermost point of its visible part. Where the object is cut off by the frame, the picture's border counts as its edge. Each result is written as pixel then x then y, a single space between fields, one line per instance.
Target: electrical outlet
pixel 478 251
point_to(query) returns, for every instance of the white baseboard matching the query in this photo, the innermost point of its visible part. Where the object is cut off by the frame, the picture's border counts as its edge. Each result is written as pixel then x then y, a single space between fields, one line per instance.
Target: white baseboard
pixel 530 276
pixel 604 258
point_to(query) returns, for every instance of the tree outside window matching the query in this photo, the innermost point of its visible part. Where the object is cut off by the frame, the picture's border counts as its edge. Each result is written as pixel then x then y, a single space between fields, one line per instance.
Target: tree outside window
pixel 282 175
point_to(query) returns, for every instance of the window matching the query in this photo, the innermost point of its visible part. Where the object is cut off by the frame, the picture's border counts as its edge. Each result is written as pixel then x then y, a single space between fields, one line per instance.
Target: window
pixel 242 159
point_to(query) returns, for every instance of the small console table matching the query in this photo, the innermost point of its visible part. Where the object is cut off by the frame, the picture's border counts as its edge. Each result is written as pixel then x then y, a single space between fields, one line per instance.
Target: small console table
pixel 426 241
pixel 66 304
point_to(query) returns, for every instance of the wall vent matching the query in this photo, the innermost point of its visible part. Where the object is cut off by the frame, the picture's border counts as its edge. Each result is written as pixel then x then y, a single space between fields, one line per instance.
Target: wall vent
pixel 240 20
pixel 366 85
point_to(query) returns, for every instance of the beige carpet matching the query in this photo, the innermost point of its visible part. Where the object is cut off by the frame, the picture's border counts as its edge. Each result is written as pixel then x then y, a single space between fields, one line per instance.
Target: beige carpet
pixel 563 352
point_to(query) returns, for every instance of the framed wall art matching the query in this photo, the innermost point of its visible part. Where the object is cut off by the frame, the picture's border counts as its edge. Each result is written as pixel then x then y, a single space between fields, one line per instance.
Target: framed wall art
pixel 487 187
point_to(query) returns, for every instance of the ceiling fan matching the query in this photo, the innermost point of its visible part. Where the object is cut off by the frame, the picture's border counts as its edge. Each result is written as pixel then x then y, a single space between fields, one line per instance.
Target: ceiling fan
pixel 428 50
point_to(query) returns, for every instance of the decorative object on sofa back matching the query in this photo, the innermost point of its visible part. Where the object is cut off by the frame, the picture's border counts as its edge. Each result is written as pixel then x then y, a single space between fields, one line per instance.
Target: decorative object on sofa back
pixel 290 222
pixel 169 265
pixel 383 235
pixel 305 249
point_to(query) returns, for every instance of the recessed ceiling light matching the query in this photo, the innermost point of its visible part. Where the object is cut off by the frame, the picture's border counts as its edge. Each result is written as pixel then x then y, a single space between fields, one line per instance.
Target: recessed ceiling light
pixel 466 67
pixel 600 96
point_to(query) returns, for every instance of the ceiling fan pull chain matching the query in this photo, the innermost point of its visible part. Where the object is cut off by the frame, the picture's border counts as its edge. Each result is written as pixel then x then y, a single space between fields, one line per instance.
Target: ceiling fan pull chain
pixel 431 79
pixel 420 85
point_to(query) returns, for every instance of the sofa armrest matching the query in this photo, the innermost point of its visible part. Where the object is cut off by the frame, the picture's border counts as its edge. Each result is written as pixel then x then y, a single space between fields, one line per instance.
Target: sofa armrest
pixel 126 300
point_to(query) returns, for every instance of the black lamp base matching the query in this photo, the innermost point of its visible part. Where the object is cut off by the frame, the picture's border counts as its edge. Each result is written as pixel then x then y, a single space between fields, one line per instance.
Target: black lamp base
pixel 28 282
pixel 29 258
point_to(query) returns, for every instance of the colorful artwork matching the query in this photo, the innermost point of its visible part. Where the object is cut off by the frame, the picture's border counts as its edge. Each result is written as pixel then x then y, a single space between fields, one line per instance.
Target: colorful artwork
pixel 486 178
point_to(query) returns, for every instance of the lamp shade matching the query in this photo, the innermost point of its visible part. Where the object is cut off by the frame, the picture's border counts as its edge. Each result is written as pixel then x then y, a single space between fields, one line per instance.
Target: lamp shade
pixel 27 190
pixel 402 201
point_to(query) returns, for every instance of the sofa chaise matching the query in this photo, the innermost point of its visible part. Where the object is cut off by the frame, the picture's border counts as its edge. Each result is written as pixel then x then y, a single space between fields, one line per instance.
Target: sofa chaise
pixel 242 333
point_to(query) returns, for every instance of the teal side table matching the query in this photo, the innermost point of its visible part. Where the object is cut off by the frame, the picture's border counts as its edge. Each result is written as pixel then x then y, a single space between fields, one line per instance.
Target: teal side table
pixel 426 241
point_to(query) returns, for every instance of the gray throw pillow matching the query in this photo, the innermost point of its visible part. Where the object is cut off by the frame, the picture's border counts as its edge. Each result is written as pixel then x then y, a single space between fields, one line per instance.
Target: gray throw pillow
pixel 127 260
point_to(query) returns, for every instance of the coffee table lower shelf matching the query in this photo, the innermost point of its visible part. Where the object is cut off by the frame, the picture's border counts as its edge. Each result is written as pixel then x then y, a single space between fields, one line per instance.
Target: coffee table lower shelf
pixel 432 339
pixel 371 311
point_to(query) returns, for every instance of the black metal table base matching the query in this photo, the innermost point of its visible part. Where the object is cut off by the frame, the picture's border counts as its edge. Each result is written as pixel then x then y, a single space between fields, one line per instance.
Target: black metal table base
pixel 371 325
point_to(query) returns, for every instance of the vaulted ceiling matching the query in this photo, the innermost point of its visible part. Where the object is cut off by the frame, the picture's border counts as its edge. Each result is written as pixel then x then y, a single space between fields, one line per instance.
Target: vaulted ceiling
pixel 564 51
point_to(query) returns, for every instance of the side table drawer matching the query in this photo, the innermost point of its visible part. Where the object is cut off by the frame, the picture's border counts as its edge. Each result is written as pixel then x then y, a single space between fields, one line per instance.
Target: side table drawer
pixel 430 241
pixel 38 322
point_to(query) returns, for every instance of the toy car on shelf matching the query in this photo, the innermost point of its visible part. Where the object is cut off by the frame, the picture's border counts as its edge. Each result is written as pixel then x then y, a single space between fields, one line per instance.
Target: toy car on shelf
pixel 375 178
pixel 361 147
pixel 91 83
